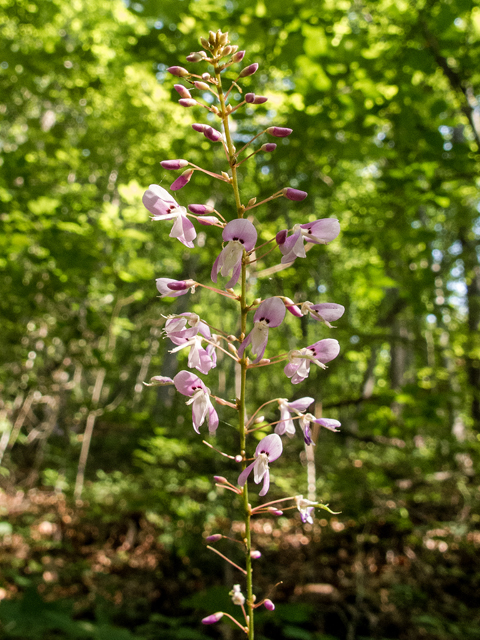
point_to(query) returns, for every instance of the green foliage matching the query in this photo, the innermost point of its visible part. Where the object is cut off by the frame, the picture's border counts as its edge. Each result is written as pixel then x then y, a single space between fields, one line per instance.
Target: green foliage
pixel 381 97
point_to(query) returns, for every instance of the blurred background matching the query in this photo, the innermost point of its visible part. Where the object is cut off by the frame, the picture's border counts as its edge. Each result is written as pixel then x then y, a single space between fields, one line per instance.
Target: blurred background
pixel 106 489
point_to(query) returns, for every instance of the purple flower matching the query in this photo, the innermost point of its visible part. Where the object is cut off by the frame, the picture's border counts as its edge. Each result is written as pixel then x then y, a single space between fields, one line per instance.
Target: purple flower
pixel 270 313
pixel 306 508
pixel 317 232
pixel 307 419
pixel 251 98
pixel 238 56
pixel 182 91
pixel 178 71
pixel 248 71
pixel 209 132
pixel 279 132
pixel 188 384
pixel 174 164
pixel 182 180
pixel 163 207
pixel 286 424
pixel 268 450
pixel 294 194
pixel 187 102
pixel 187 330
pixel 196 56
pixel 319 353
pixel 268 604
pixel 200 209
pixel 164 286
pixel 214 617
pixel 268 147
pixel 324 312
pixel 241 235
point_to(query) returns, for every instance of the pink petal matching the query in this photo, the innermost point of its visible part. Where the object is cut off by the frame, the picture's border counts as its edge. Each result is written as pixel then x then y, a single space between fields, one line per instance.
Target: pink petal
pixel 301 404
pixel 330 311
pixel 158 201
pixel 242 478
pixel 187 383
pixel 242 230
pixel 325 350
pixel 272 310
pixel 271 445
pixel 266 483
pixel 322 231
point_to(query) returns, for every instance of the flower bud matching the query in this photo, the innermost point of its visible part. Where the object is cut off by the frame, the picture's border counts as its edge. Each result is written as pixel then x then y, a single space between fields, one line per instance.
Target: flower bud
pixel 178 71
pixel 212 134
pixel 274 511
pixel 279 132
pixel 293 308
pixel 255 555
pixel 212 37
pixel 196 56
pixel 182 180
pixel 187 102
pixel 248 71
pixel 206 76
pixel 183 91
pixel 222 38
pixel 178 285
pixel 227 50
pixel 214 538
pixel 220 479
pixel 204 43
pixel 201 85
pixel 238 56
pixel 174 164
pixel 281 236
pixel 251 98
pixel 294 194
pixel 268 604
pixel 238 459
pixel 200 209
pixel 215 617
pixel 199 127
pixel 208 220
pixel 159 381
pixel 268 147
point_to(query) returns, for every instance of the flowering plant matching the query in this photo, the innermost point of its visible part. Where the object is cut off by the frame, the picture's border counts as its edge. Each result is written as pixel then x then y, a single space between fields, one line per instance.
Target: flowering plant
pixel 247 350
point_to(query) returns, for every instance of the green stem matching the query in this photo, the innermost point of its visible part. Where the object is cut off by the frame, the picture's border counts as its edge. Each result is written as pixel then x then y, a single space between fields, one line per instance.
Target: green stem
pixel 243 363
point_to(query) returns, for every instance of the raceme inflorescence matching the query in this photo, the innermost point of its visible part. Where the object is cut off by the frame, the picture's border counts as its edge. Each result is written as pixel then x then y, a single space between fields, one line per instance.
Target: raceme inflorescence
pixel 187 331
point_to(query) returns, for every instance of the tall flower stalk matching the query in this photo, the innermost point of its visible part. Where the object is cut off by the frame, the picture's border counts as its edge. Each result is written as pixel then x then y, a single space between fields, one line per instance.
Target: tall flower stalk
pixel 188 331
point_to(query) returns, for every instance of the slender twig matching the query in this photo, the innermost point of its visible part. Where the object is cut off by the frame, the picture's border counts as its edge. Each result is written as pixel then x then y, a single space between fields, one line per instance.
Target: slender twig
pixel 227 559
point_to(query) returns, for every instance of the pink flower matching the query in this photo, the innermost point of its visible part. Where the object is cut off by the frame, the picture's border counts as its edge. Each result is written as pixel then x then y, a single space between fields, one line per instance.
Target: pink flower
pixel 286 424
pixel 188 384
pixel 268 450
pixel 241 235
pixel 173 288
pixel 187 331
pixel 318 232
pixel 270 313
pixel 319 353
pixel 324 312
pixel 163 207
pixel 307 419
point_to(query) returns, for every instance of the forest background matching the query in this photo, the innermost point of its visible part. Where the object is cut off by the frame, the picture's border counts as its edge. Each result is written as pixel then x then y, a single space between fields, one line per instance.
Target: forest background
pixel 106 489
